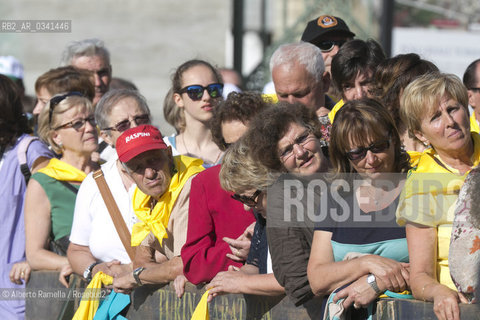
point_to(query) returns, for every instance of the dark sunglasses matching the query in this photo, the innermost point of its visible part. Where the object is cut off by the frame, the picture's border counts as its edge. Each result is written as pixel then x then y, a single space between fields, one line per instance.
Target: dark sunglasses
pixel 195 92
pixel 126 124
pixel 327 46
pixel 57 99
pixel 475 89
pixel 251 201
pixel 376 147
pixel 78 124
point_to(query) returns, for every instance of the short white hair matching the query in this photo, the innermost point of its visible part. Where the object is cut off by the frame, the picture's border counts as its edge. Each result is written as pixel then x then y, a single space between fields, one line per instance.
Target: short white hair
pixel 303 53
pixel 87 47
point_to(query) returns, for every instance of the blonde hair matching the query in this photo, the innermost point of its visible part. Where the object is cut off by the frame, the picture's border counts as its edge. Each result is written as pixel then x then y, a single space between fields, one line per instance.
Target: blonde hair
pixel 421 97
pixel 45 126
pixel 240 173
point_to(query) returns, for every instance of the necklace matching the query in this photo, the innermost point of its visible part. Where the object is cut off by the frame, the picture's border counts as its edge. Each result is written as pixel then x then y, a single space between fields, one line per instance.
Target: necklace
pixel 192 155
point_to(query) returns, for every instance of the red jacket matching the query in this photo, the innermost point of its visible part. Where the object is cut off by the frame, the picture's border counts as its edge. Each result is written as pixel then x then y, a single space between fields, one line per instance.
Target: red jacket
pixel 212 215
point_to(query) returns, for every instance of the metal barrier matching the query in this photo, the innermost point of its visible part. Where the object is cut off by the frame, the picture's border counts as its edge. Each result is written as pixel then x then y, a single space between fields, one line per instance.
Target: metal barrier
pixel 47 299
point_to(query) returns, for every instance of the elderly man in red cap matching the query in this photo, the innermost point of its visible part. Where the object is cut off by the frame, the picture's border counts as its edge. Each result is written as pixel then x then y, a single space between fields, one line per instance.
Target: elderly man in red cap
pixel 160 202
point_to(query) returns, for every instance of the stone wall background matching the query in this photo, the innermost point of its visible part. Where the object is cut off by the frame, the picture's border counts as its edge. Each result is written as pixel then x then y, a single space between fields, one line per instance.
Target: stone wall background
pixel 147 39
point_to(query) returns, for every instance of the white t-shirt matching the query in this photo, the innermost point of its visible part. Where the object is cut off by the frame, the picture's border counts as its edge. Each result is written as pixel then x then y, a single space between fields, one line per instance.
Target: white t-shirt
pixel 92 225
pixel 109 153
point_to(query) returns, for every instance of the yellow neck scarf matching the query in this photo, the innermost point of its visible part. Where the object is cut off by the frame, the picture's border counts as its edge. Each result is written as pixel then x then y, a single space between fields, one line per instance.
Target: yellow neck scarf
pixel 336 107
pixel 429 176
pixel 156 220
pixel 62 171
pixel 91 299
pixel 473 123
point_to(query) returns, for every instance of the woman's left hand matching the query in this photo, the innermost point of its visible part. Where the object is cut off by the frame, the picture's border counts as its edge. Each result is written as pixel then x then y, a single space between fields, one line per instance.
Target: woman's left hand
pixel 445 303
pixel 240 247
pixel 359 293
pixel 65 271
pixel 225 282
pixel 20 271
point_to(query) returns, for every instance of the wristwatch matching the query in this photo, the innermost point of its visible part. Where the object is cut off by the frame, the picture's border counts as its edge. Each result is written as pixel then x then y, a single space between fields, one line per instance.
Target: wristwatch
pixel 136 275
pixel 372 281
pixel 87 274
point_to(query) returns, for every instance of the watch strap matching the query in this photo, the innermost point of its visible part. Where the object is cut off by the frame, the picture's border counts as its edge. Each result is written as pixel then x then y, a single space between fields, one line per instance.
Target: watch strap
pixel 87 274
pixel 136 275
pixel 373 284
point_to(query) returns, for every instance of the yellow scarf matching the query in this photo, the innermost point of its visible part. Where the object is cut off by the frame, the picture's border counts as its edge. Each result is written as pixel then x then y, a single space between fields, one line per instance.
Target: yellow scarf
pixel 441 179
pixel 62 171
pixel 201 311
pixel 473 123
pixel 90 300
pixel 156 220
pixel 336 107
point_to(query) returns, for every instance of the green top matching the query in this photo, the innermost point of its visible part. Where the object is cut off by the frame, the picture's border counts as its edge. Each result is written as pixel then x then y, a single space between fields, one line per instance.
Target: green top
pixel 62 203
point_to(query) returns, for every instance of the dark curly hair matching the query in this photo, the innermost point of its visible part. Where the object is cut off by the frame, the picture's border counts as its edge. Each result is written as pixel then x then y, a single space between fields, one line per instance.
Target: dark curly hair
pixel 13 122
pixel 394 74
pixel 242 106
pixel 272 124
pixel 357 121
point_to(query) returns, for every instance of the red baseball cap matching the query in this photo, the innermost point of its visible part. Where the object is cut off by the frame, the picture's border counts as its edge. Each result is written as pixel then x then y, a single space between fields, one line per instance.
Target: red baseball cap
pixel 137 140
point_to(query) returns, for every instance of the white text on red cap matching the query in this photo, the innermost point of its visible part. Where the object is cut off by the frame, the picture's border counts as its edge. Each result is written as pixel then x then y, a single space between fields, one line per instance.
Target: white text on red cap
pixel 136 135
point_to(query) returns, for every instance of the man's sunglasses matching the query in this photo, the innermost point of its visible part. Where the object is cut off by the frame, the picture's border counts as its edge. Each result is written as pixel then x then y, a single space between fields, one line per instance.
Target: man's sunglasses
pixel 328 45
pixel 195 92
pixel 251 201
pixel 57 99
pixel 376 147
pixel 126 124
pixel 474 89
pixel 78 124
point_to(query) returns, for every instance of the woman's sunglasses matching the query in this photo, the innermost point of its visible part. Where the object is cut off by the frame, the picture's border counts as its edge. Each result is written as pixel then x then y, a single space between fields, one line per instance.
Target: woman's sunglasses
pixel 57 99
pixel 195 92
pixel 376 147
pixel 327 46
pixel 251 201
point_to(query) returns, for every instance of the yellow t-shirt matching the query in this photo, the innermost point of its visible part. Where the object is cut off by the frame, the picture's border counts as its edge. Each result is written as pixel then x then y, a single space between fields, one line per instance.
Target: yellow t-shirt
pixel 429 199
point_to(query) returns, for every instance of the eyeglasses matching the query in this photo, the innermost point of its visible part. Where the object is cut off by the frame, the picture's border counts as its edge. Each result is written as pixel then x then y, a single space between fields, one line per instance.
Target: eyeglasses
pixel 195 92
pixel 300 141
pixel 251 201
pixel 376 147
pixel 126 124
pixel 78 124
pixel 475 89
pixel 57 99
pixel 328 45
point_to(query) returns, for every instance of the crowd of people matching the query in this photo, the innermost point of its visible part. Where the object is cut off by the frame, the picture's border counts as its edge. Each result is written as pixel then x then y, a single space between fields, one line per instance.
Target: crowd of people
pixel 342 187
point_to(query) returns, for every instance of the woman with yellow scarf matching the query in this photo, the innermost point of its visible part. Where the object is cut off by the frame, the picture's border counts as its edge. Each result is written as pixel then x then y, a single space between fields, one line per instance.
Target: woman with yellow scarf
pixel 435 109
pixel 67 124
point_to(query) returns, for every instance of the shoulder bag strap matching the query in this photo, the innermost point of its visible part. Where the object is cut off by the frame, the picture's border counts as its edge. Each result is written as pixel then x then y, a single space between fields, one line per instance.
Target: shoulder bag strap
pixel 112 207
